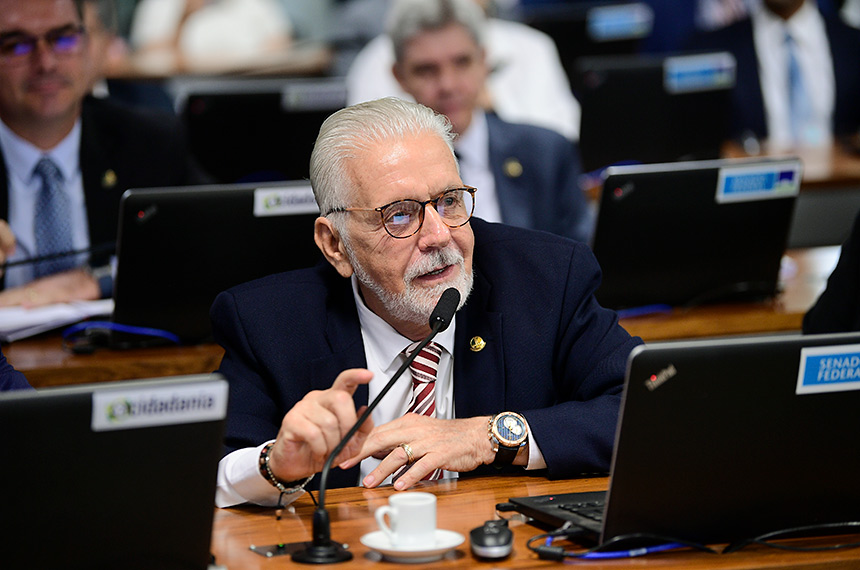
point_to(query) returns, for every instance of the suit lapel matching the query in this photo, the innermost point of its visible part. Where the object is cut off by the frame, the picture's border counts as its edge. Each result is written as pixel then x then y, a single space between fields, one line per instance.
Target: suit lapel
pixel 506 164
pixel 479 378
pixel 748 82
pixel 343 332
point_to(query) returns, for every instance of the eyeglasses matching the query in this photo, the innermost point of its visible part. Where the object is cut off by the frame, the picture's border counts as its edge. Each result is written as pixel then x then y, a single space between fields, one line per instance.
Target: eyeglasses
pixel 15 47
pixel 404 218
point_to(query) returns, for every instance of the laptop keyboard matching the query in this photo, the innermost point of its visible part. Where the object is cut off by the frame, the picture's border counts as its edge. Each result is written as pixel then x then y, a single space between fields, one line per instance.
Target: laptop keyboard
pixel 589 509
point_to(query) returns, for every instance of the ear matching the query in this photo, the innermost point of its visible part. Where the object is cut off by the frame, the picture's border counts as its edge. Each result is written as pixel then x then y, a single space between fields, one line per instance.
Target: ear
pixel 332 246
pixel 397 72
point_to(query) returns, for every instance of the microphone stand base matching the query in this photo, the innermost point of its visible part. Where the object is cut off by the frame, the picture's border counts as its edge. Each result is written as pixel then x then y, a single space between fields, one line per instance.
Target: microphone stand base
pixel 330 553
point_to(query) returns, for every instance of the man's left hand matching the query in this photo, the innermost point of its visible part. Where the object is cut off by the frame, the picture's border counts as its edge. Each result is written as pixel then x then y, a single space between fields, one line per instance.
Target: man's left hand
pixel 73 285
pixel 455 445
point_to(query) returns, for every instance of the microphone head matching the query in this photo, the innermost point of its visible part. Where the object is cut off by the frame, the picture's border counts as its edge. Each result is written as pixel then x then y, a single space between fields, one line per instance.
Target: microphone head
pixel 444 311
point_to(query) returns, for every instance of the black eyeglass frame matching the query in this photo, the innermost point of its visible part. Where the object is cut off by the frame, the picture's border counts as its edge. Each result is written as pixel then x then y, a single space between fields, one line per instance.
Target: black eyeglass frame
pixel 51 38
pixel 435 201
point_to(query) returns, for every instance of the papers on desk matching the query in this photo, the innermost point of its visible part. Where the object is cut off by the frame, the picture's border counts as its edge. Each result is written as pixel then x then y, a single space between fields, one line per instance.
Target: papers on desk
pixel 17 323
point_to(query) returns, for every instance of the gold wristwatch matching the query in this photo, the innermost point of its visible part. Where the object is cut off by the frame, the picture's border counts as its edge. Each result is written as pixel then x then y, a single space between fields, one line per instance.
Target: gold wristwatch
pixel 508 433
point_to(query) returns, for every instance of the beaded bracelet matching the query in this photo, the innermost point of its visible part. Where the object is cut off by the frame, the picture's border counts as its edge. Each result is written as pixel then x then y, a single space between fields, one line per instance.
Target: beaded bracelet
pixel 266 471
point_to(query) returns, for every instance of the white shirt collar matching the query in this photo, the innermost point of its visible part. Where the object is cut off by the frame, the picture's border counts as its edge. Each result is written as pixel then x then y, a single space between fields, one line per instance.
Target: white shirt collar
pixel 383 340
pixel 801 25
pixel 473 145
pixel 22 156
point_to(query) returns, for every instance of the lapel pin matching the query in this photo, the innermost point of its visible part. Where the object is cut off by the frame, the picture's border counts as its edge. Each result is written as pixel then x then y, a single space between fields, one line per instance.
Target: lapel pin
pixel 477 344
pixel 512 168
pixel 109 179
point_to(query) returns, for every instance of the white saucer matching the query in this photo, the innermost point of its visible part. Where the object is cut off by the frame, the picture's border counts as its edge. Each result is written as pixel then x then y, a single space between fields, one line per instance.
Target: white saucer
pixel 446 540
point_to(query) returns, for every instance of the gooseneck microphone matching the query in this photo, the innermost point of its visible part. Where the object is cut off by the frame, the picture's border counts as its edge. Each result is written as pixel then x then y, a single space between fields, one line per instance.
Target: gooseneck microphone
pixel 322 549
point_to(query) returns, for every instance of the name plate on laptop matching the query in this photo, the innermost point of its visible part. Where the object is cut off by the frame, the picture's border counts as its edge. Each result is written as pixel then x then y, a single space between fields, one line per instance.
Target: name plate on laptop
pixel 284 201
pixel 829 369
pixel 758 182
pixel 117 409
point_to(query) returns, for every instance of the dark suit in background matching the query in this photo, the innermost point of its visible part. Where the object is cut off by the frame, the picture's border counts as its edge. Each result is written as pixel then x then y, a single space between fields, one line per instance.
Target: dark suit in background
pixel 121 148
pixel 748 116
pixel 552 353
pixel 537 171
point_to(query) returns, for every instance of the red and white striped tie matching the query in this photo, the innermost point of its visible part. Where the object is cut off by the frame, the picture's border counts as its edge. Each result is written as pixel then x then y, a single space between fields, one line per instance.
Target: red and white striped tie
pixel 423 400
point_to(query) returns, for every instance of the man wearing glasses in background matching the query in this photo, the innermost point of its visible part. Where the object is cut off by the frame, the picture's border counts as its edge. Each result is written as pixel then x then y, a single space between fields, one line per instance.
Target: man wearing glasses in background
pixel 529 347
pixel 68 157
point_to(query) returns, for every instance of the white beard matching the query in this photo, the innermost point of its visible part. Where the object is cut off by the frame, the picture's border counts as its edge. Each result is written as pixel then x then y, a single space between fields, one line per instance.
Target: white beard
pixel 416 304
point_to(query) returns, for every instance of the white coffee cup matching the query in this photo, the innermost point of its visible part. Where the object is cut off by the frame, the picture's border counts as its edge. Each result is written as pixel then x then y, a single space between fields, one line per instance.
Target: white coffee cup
pixel 413 520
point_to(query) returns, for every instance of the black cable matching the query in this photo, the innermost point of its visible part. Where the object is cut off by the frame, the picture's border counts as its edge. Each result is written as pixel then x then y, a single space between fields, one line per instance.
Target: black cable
pixel 603 550
pixel 763 539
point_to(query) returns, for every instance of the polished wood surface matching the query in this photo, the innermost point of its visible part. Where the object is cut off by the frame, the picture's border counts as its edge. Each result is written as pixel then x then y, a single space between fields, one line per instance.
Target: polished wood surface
pixel 46 363
pixel 828 167
pixel 804 277
pixel 462 506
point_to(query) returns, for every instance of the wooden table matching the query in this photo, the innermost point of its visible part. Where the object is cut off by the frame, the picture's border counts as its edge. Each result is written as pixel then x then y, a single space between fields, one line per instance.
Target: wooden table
pixel 462 506
pixel 45 363
pixel 804 277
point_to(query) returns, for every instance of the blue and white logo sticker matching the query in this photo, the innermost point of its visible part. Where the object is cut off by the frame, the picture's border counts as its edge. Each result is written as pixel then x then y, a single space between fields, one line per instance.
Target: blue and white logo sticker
pixel 758 182
pixel 284 201
pixel 118 409
pixel 704 72
pixel 829 369
pixel 619 22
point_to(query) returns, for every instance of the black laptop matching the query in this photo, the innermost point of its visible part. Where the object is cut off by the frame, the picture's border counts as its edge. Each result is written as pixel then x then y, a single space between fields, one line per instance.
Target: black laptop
pixel 690 233
pixel 725 440
pixel 111 475
pixel 653 108
pixel 179 247
pixel 245 129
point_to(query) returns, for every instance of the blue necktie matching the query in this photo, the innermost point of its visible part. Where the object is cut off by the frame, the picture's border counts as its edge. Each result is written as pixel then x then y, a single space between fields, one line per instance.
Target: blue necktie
pixel 800 106
pixel 52 224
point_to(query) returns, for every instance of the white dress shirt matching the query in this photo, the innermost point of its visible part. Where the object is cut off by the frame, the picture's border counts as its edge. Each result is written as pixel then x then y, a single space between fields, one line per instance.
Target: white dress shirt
pixel 239 478
pixel 24 187
pixel 473 152
pixel 806 27
pixel 527 81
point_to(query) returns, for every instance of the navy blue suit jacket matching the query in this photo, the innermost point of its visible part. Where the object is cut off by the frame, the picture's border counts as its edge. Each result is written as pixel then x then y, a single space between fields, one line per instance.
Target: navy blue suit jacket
pixel 747 114
pixel 543 194
pixel 121 148
pixel 552 353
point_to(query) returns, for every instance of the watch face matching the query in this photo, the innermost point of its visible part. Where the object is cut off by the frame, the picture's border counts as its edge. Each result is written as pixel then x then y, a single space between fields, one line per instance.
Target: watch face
pixel 510 429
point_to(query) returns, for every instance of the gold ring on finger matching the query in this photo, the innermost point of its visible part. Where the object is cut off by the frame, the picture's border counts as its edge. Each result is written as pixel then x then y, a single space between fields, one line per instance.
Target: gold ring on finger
pixel 410 457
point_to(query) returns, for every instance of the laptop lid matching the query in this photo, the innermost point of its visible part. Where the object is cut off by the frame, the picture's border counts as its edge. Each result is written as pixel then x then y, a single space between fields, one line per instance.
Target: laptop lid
pixel 255 129
pixel 726 440
pixel 722 440
pixel 690 233
pixel 111 475
pixel 653 108
pixel 179 247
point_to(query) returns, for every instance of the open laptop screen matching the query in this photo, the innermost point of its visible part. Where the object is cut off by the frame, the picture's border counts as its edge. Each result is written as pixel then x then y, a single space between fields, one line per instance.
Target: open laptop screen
pixel 111 475
pixel 725 440
pixel 691 233
pixel 642 108
pixel 179 247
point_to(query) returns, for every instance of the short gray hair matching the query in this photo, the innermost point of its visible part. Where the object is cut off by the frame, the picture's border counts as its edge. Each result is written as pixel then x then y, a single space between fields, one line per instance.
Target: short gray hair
pixel 350 131
pixel 408 18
